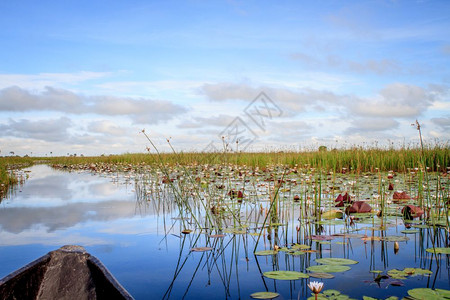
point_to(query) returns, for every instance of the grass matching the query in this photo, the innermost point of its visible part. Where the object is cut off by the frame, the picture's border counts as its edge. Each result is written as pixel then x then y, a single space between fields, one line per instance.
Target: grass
pixel 436 158
pixel 7 176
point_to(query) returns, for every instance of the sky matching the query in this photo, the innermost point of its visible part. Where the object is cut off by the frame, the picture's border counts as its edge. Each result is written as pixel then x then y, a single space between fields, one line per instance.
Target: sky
pixel 86 77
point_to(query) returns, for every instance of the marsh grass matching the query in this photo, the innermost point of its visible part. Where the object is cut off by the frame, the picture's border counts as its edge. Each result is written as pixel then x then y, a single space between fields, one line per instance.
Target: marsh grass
pixel 358 159
pixel 8 177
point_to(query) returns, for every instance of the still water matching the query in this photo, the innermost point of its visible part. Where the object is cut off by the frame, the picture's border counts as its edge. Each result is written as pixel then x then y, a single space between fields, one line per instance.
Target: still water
pixel 137 243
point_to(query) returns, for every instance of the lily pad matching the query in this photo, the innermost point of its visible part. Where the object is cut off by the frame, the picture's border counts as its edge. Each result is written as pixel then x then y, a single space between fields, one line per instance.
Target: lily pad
pixel 319 297
pixel 428 294
pixel 409 231
pixel 328 268
pixel 296 253
pixel 264 295
pixel 300 246
pixel 395 238
pixel 336 261
pixel 285 275
pixel 321 275
pixel 331 292
pixel 439 250
pixel 332 214
pixel 266 252
pixel 201 249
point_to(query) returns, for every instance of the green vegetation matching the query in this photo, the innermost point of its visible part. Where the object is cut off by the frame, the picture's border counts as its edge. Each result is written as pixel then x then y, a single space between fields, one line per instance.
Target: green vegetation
pixel 436 158
pixel 7 176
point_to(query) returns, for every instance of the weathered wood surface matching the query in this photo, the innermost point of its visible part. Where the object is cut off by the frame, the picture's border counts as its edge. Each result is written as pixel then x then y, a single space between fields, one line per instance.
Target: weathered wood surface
pixel 67 273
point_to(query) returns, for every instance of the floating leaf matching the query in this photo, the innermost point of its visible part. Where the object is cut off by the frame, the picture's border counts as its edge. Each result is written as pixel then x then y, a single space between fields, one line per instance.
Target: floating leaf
pixel 266 252
pixel 411 211
pixel 300 246
pixel 201 249
pixel 423 226
pixel 376 271
pixel 332 214
pixel 358 207
pixel 321 275
pixel 395 238
pixel 426 294
pixel 331 293
pixel 400 196
pixel 336 261
pixel 320 237
pixel 328 268
pixel 217 236
pixel 264 295
pixel 319 297
pixel 445 293
pixel 296 253
pixel 409 231
pixel 439 250
pixel 285 275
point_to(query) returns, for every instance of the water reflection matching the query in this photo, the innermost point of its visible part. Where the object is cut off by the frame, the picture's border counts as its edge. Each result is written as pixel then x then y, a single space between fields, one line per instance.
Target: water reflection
pixel 132 223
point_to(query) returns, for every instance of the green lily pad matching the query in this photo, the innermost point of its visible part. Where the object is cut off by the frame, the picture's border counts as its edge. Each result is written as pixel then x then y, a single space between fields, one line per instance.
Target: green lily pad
pixel 422 226
pixel 296 253
pixel 330 222
pixel 300 246
pixel 395 238
pixel 409 231
pixel 266 252
pixel 336 261
pixel 332 214
pixel 445 293
pixel 439 250
pixel 319 297
pixel 264 295
pixel 341 243
pixel 321 275
pixel 427 294
pixel 331 293
pixel 285 275
pixel 328 268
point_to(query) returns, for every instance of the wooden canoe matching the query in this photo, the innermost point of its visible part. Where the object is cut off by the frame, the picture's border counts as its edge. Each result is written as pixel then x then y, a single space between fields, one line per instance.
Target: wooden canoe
pixel 67 273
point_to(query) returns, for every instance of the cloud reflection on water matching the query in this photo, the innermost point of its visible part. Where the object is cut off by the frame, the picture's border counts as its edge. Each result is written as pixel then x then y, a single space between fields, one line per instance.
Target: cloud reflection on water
pixel 63 207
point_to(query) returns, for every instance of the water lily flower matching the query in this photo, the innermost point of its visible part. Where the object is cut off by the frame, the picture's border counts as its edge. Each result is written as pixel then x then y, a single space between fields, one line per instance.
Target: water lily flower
pixel 315 287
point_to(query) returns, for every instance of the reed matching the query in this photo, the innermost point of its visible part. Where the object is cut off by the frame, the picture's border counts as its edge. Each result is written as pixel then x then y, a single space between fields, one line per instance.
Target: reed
pixel 435 157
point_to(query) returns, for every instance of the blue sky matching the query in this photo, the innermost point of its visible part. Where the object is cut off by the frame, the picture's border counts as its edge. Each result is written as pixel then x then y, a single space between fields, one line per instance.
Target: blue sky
pixel 86 77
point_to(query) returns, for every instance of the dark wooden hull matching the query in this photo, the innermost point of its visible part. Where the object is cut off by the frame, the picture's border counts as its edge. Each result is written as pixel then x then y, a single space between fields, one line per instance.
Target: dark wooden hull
pixel 67 273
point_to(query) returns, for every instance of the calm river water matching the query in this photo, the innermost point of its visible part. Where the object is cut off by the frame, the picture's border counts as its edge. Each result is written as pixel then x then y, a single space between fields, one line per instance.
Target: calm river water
pixel 102 213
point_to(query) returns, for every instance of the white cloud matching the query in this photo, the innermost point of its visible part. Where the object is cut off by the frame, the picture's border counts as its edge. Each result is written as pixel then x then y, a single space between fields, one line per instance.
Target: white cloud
pixel 371 124
pixel 443 122
pixel 139 110
pixel 398 100
pixel 107 127
pixel 46 130
pixel 199 122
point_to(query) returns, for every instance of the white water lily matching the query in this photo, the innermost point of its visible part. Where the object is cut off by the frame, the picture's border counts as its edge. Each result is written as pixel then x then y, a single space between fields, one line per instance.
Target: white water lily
pixel 315 287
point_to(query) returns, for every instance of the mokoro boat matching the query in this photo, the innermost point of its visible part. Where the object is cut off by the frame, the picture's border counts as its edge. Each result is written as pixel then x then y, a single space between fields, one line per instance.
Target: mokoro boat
pixel 67 273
